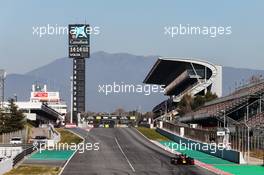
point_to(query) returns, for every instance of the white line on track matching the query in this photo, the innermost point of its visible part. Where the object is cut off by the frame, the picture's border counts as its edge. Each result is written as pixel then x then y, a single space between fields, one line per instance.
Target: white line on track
pixel 133 169
pixel 67 162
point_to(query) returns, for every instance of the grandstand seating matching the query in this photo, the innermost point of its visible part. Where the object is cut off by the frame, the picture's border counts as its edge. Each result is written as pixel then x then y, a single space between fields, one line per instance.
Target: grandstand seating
pixel 229 103
pixel 256 120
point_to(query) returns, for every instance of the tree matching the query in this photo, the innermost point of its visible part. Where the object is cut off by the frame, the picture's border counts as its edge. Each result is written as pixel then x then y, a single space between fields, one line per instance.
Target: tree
pixel 185 105
pixel 2 121
pixel 15 117
pixel 189 103
pixel 209 96
pixel 198 101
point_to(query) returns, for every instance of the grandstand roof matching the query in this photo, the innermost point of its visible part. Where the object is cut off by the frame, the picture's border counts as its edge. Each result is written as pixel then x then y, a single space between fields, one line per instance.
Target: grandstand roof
pixel 181 76
pixel 166 69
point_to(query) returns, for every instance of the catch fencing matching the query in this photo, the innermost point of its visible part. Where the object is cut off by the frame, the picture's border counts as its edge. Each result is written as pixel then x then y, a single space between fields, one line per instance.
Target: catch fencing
pixel 241 138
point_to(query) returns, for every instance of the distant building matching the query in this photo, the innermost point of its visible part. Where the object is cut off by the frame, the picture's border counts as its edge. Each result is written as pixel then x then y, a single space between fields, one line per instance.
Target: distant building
pixel 43 106
pixel 52 99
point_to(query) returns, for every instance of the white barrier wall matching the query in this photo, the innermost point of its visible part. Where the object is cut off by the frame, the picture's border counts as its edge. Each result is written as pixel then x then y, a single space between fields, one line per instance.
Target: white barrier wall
pixel 10 151
pixel 6 165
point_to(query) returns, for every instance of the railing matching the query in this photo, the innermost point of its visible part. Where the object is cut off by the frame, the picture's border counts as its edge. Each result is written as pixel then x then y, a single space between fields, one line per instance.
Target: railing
pixel 247 86
pixel 21 155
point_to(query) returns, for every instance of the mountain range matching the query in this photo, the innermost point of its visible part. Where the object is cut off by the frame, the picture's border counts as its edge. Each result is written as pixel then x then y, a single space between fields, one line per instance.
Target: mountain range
pixel 105 68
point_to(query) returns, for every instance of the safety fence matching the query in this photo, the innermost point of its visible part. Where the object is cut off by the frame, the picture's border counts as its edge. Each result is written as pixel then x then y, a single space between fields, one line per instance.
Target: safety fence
pixel 246 140
pixel 241 138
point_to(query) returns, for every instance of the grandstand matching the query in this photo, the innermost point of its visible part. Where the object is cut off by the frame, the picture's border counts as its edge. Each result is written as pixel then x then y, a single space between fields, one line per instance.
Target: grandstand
pixel 43 106
pixel 183 76
pixel 196 77
pixel 38 112
pixel 243 105
pixel 256 120
pixel 239 115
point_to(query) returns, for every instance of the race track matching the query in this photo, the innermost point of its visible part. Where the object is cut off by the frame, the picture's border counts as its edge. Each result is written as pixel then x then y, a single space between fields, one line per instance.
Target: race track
pixel 124 151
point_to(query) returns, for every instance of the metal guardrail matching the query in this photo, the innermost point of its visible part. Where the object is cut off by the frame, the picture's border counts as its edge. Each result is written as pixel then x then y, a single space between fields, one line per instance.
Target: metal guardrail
pixel 21 155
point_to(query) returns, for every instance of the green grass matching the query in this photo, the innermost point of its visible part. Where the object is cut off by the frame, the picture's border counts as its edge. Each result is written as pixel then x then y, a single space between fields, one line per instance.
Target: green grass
pixel 34 170
pixel 68 137
pixel 152 134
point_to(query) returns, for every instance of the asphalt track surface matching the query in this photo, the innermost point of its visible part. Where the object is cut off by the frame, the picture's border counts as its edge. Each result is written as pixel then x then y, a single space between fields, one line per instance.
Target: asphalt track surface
pixel 124 151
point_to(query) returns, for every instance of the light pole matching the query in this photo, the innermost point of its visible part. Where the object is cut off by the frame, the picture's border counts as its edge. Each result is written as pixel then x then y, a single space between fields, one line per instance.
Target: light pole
pixel 2 86
pixel 15 96
pixel 260 104
pixel 247 115
pixel 248 151
pixel 224 119
pixel 71 117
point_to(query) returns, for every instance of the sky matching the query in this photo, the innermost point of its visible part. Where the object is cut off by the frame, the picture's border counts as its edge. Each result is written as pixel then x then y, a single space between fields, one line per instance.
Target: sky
pixel 135 27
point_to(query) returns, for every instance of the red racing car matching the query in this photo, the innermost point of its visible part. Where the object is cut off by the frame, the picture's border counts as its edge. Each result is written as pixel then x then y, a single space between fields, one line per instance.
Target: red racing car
pixel 182 159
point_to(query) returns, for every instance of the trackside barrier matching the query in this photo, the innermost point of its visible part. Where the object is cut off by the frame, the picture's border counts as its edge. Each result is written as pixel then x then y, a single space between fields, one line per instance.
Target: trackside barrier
pixel 5 165
pixel 21 155
pixel 230 155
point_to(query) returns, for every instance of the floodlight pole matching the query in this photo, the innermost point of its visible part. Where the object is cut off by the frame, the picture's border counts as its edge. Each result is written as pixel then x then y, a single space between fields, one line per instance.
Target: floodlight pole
pixel 247 115
pixel 260 106
pixel 71 78
pixel 2 86
pixel 3 91
pixel 224 119
pixel 248 153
